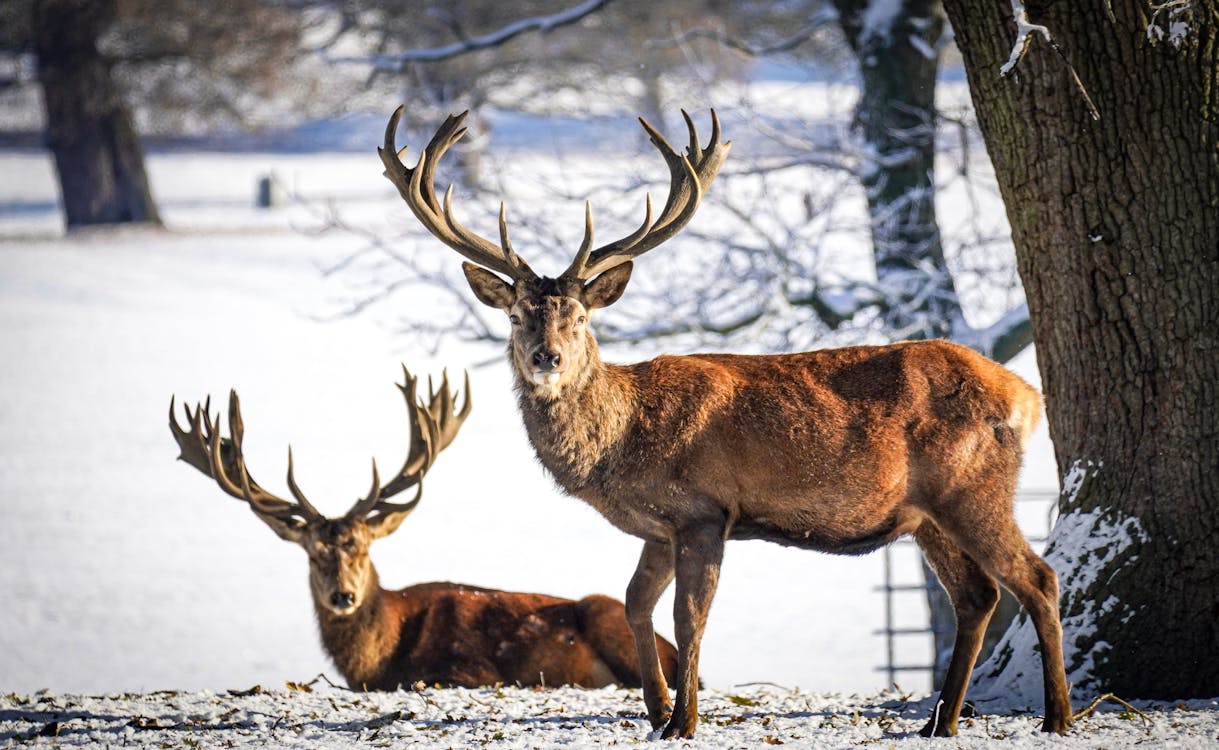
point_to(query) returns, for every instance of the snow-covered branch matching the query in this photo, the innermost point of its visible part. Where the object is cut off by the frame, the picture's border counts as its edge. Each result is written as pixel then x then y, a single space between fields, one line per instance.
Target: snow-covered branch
pixel 1025 30
pixel 539 24
pixel 1171 22
pixel 1001 340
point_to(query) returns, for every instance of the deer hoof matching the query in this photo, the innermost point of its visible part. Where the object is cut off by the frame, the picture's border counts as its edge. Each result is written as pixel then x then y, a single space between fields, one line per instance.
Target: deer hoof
pixel 930 729
pixel 1056 724
pixel 679 730
pixel 660 718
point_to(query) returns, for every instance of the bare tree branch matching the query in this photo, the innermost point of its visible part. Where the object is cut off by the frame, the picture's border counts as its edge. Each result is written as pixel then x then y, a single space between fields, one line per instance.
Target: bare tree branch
pixel 540 24
pixel 788 43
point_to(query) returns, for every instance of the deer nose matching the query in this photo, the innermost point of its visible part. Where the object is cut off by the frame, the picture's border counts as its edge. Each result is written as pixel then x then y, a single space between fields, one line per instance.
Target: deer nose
pixel 545 360
pixel 342 599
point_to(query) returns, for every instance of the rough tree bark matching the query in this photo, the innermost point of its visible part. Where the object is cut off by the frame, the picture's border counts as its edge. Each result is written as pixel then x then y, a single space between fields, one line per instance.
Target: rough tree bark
pixel 1116 227
pixel 89 131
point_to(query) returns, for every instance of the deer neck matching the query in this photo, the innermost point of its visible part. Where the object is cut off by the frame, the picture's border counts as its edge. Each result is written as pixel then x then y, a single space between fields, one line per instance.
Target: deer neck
pixel 575 427
pixel 362 643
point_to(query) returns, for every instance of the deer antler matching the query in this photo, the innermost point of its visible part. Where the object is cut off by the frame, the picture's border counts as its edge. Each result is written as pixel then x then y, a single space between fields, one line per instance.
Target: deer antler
pixel 417 188
pixel 433 426
pixel 690 175
pixel 221 458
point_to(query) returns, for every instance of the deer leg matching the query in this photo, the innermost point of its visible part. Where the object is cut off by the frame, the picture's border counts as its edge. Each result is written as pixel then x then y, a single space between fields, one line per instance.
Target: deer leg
pixel 974 595
pixel 698 553
pixel 1035 586
pixel 998 546
pixel 652 577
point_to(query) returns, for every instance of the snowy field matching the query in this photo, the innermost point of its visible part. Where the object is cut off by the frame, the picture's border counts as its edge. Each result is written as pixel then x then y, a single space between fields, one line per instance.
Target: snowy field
pixel 749 717
pixel 142 600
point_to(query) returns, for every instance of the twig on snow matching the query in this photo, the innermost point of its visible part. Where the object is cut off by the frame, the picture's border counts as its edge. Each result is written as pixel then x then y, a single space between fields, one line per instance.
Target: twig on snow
pixel 321 676
pixel 1091 709
pixel 764 683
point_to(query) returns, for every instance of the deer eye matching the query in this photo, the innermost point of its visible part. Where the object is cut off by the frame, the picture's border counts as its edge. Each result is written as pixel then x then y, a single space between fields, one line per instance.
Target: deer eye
pixel 515 319
pixel 581 321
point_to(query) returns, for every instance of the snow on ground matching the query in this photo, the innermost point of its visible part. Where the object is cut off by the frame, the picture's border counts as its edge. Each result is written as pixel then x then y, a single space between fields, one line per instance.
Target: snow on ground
pixel 749 717
pixel 126 572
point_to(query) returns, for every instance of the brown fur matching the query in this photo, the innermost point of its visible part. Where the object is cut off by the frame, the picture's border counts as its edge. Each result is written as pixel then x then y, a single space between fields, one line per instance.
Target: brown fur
pixel 465 636
pixel 838 450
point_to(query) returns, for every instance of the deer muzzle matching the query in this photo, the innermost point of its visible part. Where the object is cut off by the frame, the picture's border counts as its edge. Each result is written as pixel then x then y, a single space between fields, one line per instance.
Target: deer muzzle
pixel 342 602
pixel 547 367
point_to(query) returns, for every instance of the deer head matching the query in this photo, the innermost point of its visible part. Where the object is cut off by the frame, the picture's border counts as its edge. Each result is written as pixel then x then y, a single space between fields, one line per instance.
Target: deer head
pixel 551 343
pixel 341 574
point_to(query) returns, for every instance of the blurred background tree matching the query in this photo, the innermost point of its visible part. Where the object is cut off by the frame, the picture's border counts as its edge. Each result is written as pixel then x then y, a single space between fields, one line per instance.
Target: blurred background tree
pixel 110 70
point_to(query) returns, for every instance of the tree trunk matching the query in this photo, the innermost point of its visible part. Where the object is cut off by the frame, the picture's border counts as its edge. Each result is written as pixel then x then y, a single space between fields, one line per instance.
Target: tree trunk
pixel 88 129
pixel 897 46
pixel 1116 227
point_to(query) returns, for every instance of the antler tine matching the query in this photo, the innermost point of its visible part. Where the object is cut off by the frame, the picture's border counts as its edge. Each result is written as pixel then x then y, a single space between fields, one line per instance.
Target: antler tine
pixel 258 498
pixel 192 443
pixel 586 245
pixel 417 188
pixel 363 507
pixel 442 408
pixel 306 506
pixel 690 175
pixel 422 437
pixel 506 261
pixel 515 260
pixel 433 425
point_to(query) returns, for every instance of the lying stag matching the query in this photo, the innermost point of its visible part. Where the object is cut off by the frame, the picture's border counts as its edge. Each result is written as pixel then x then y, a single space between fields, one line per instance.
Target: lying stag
pixel 840 450
pixel 442 633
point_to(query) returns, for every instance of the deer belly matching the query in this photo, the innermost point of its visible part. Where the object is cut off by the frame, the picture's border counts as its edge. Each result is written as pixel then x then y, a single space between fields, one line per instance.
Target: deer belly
pixel 839 538
pixel 641 518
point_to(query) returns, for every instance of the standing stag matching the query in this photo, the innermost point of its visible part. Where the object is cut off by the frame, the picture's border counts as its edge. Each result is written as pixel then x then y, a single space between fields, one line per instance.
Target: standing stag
pixel 839 450
pixel 444 633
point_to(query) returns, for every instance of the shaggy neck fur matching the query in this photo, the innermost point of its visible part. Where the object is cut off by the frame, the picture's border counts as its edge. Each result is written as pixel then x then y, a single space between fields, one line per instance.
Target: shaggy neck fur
pixel 575 425
pixel 361 644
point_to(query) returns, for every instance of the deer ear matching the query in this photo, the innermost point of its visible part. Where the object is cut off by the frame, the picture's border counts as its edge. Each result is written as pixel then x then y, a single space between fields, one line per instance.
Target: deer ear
pixel 290 530
pixel 490 289
pixel 384 524
pixel 605 290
